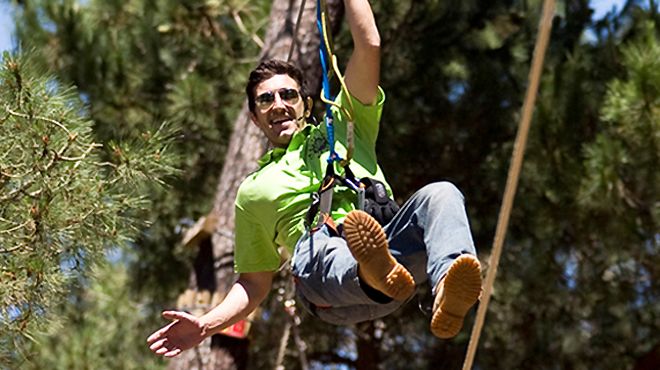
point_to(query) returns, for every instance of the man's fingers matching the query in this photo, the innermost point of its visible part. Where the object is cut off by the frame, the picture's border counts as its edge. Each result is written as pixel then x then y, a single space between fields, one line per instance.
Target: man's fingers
pixel 170 315
pixel 176 315
pixel 158 334
pixel 165 349
pixel 172 353
pixel 158 341
pixel 158 345
pixel 162 351
pixel 153 337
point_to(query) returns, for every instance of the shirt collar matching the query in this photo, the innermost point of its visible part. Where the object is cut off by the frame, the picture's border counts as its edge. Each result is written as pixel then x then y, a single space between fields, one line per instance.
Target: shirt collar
pixel 297 140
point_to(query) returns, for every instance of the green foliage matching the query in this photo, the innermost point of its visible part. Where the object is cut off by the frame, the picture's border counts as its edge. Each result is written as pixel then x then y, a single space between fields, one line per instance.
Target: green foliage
pixel 620 189
pixel 580 275
pixel 103 305
pixel 142 62
pixel 621 160
pixel 578 281
pixel 61 204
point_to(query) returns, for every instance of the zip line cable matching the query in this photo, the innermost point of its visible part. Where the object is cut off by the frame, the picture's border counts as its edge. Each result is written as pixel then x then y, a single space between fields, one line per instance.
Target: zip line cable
pixel 545 25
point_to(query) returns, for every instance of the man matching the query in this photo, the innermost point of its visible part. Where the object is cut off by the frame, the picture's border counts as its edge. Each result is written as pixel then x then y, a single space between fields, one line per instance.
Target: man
pixel 364 272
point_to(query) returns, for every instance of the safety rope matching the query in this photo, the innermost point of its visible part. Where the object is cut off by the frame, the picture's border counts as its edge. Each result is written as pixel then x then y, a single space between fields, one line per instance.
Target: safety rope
pixel 321 7
pixel 545 25
pixel 326 58
pixel 322 199
pixel 287 295
pixel 294 40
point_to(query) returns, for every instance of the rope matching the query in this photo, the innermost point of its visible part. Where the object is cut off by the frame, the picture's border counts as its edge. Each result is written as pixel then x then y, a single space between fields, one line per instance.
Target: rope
pixel 324 51
pixel 327 57
pixel 279 362
pixel 545 26
pixel 295 32
pixel 287 296
pixel 288 302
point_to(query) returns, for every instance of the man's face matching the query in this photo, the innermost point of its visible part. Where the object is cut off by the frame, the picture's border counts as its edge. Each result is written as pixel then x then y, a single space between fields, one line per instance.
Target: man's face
pixel 278 109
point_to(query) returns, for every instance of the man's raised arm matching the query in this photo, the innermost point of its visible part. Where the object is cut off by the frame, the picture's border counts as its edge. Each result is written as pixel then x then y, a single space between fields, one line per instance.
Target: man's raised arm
pixel 363 68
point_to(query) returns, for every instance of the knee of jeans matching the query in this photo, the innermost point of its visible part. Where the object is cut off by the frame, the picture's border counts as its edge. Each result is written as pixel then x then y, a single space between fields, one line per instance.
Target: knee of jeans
pixel 442 190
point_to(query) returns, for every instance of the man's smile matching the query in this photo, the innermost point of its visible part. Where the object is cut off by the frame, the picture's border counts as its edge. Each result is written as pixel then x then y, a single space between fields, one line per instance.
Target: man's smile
pixel 278 121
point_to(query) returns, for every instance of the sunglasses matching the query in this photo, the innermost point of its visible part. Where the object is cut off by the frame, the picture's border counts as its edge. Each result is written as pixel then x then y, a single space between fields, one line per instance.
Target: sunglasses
pixel 288 95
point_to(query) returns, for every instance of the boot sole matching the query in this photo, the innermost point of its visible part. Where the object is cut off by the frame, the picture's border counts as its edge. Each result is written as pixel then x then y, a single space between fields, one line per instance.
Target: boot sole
pixel 460 291
pixel 368 245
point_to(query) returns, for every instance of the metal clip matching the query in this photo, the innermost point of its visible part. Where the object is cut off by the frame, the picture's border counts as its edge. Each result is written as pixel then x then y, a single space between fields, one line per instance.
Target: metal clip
pixel 360 194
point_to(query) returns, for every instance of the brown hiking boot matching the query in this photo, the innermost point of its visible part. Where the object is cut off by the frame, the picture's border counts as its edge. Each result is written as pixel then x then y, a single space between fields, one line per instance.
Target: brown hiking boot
pixel 456 293
pixel 368 244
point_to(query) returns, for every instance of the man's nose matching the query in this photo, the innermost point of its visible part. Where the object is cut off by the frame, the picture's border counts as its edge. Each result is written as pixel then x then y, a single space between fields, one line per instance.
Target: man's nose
pixel 278 103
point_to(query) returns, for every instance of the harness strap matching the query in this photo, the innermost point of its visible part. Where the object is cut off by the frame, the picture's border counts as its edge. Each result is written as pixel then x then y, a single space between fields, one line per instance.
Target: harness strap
pixel 322 199
pixel 324 52
pixel 325 192
pixel 329 65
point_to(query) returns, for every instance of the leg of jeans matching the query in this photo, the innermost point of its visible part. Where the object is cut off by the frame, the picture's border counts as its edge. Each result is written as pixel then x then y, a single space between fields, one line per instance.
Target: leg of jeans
pixel 326 274
pixel 432 223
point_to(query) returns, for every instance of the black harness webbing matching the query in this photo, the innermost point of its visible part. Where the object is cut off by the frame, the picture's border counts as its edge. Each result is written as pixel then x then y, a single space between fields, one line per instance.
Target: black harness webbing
pixel 322 198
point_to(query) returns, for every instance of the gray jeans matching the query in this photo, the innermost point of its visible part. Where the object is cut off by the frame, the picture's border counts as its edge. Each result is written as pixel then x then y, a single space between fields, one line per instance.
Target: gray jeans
pixel 426 235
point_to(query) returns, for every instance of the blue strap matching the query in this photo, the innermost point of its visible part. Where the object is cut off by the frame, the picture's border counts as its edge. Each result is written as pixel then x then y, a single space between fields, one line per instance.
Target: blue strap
pixel 324 56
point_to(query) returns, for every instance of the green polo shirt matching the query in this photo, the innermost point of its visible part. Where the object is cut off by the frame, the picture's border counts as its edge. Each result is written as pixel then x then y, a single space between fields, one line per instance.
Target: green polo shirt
pixel 272 202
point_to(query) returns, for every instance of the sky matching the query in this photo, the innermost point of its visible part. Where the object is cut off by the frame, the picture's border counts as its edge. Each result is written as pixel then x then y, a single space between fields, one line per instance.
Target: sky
pixel 7 41
pixel 6 26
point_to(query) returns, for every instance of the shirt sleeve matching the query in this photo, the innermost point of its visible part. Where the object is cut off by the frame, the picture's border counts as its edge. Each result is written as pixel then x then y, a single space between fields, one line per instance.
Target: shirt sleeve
pixel 254 249
pixel 366 118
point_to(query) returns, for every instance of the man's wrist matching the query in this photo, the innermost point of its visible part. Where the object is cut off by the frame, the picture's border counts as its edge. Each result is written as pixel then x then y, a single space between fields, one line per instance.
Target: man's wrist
pixel 206 326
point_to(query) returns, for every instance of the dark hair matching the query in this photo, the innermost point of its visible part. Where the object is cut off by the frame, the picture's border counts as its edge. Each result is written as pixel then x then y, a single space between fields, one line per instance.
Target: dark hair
pixel 268 69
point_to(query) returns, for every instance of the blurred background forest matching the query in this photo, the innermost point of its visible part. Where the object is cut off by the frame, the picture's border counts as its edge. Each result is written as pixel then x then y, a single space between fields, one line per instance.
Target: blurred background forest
pixel 579 280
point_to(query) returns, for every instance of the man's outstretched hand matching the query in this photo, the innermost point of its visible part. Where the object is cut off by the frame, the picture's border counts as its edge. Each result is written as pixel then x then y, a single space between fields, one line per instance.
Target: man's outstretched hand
pixel 186 331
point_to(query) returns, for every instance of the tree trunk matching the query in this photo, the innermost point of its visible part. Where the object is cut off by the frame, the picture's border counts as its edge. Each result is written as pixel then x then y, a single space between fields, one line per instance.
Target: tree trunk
pixel 649 361
pixel 367 347
pixel 247 145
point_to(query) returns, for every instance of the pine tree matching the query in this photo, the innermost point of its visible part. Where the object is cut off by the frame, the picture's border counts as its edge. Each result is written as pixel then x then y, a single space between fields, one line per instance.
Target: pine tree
pixel 103 303
pixel 575 274
pixel 142 62
pixel 61 203
pixel 621 190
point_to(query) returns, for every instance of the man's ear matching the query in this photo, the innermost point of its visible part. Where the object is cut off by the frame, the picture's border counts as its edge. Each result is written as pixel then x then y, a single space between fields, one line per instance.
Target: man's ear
pixel 253 118
pixel 308 106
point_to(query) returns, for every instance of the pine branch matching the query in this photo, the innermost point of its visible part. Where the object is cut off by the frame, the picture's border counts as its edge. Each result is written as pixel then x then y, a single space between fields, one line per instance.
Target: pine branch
pixel 58 208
